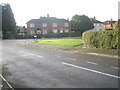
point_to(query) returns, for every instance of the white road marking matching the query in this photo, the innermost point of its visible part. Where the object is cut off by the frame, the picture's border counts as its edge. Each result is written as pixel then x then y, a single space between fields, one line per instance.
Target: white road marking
pixel 6 82
pixel 72 58
pixel 32 54
pixel 92 63
pixel 25 55
pixel 115 67
pixel 87 69
pixel 57 55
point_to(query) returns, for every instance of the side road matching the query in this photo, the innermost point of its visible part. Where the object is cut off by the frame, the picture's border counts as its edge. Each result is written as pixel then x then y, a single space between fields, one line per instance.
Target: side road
pixel 82 50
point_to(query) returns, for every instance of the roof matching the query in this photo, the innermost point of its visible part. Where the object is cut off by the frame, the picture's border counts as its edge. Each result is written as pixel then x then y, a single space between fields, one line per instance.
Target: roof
pixel 95 21
pixel 109 22
pixel 47 19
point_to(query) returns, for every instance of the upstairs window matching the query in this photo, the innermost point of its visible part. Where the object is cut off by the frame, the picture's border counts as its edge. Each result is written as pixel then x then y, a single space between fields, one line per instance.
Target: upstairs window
pixel 32 25
pixel 66 24
pixel 54 24
pixel 44 25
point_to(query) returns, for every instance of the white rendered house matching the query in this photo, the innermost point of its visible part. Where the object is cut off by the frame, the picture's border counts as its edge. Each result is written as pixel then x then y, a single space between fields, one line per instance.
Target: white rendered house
pixel 97 25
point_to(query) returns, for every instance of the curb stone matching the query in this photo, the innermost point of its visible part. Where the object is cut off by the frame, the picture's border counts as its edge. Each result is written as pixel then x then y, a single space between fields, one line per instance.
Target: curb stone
pixel 72 51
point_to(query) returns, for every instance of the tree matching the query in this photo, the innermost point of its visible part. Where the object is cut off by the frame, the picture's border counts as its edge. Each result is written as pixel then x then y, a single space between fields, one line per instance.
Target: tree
pixel 117 25
pixel 8 22
pixel 81 23
pixel 0 21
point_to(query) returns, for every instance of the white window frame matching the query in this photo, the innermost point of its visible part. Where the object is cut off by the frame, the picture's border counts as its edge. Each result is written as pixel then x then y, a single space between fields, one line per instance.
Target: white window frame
pixel 66 24
pixel 32 32
pixel 55 31
pixel 54 24
pixel 45 31
pixel 66 30
pixel 32 25
pixel 44 25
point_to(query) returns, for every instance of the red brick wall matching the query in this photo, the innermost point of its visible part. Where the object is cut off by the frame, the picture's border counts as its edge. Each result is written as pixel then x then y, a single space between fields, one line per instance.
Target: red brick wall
pixel 107 26
pixel 49 27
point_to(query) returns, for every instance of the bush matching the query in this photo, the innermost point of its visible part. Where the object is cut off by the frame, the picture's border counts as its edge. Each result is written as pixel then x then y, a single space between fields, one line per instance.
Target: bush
pixel 102 39
pixel 60 35
pixel 75 34
pixel 50 35
pixel 24 36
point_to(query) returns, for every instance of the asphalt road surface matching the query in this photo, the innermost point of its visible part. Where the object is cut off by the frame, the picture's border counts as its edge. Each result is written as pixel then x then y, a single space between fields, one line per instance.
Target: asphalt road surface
pixel 32 67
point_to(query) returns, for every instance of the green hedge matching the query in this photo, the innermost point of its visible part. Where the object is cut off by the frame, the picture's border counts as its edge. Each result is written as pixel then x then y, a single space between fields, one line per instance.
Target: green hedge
pixel 24 36
pixel 60 35
pixel 102 39
pixel 50 35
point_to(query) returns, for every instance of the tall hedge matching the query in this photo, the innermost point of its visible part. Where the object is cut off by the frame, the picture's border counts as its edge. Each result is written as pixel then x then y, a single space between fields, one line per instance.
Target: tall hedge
pixel 102 39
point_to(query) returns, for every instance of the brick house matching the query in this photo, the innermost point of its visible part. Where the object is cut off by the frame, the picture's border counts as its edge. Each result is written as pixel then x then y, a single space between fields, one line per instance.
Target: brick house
pixel 109 24
pixel 46 25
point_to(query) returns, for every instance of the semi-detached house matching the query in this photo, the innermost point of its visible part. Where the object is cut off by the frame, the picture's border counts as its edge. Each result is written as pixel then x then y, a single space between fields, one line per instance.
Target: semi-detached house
pixel 98 25
pixel 46 25
pixel 109 24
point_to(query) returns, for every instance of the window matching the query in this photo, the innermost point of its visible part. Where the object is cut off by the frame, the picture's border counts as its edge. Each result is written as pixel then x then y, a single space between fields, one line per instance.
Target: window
pixel 66 24
pixel 44 25
pixel 44 31
pixel 32 25
pixel 66 30
pixel 94 24
pixel 54 31
pixel 54 24
pixel 98 25
pixel 32 32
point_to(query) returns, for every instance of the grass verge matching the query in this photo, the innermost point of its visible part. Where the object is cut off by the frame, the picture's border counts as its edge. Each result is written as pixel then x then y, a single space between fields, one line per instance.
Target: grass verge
pixel 62 42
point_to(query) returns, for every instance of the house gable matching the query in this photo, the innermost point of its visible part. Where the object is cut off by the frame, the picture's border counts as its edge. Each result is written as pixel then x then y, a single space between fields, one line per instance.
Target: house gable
pixel 98 25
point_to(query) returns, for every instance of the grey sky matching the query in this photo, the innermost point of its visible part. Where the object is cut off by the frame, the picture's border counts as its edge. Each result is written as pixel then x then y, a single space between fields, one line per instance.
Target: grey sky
pixel 24 10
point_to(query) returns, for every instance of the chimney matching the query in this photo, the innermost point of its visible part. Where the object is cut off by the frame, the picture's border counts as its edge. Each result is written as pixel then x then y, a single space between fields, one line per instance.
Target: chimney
pixel 47 15
pixel 111 19
pixel 68 19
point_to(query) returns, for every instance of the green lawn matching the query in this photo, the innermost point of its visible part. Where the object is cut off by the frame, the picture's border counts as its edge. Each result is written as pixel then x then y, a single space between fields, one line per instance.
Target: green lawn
pixel 63 42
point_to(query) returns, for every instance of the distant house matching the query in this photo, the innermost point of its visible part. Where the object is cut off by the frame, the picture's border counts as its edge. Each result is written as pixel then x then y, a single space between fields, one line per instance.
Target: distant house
pixel 98 25
pixel 20 30
pixel 109 24
pixel 46 25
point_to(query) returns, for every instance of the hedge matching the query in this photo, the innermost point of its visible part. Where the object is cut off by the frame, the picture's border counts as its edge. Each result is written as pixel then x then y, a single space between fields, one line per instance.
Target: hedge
pixel 102 39
pixel 50 35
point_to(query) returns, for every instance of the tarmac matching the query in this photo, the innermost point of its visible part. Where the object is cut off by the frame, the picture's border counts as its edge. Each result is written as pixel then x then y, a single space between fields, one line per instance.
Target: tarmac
pixel 111 53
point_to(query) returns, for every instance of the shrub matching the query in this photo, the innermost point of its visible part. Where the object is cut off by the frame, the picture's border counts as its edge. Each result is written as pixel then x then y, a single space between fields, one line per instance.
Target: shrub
pixel 50 35
pixel 102 39
pixel 75 34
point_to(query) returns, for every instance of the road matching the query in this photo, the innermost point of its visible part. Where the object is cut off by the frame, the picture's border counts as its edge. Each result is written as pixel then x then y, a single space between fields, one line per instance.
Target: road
pixel 32 67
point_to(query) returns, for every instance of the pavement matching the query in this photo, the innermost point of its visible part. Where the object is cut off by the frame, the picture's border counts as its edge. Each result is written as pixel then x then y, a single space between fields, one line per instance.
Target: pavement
pixel 80 49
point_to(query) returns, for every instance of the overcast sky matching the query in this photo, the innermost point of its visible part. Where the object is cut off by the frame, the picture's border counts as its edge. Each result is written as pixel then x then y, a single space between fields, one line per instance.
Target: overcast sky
pixel 24 10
